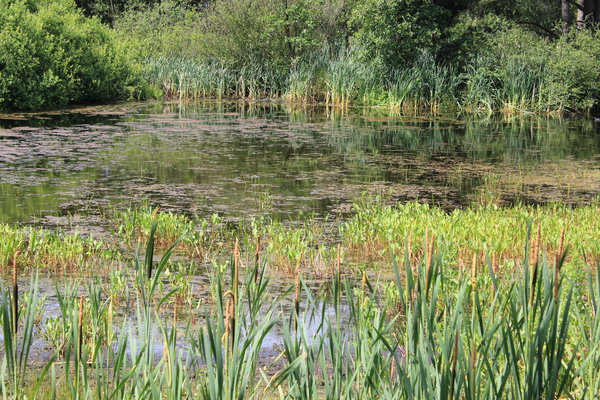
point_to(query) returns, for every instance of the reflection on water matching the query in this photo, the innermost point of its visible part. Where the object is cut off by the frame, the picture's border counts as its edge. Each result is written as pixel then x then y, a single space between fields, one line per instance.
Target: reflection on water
pixel 241 159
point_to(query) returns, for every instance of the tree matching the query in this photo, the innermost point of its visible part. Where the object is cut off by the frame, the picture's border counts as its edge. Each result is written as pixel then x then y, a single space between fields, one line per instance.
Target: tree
pixel 391 33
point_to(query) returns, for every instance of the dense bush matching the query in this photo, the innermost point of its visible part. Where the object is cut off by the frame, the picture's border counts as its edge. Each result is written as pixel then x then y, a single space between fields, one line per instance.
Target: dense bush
pixel 571 65
pixel 165 29
pixel 475 55
pixel 391 33
pixel 51 55
pixel 237 32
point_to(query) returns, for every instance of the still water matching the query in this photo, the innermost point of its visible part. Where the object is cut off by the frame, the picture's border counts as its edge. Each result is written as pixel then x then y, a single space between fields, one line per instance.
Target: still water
pixel 241 159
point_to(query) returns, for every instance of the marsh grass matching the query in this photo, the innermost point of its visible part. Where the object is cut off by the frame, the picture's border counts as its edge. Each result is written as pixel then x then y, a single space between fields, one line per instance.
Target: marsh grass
pixel 335 77
pixel 450 323
pixel 496 230
pixel 51 251
pixel 136 224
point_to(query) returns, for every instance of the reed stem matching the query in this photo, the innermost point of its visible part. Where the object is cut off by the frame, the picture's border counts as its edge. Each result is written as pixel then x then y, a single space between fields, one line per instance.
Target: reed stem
pixel 558 262
pixel 257 260
pixel 454 362
pixel 536 254
pixel 80 330
pixel 297 301
pixel 474 273
pixel 15 303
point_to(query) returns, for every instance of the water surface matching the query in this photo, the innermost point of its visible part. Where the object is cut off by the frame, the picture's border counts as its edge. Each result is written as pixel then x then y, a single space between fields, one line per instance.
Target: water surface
pixel 243 159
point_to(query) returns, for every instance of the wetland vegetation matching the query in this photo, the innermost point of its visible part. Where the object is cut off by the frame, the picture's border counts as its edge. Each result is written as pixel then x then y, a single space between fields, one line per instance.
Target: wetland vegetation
pixel 233 250
pixel 338 199
pixel 399 301
pixel 474 56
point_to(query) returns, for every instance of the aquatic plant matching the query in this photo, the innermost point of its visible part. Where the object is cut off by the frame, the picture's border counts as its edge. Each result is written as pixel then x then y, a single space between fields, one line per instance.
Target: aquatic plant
pixel 18 338
pixel 230 344
pixel 440 328
pixel 497 230
pixel 53 251
pixel 135 224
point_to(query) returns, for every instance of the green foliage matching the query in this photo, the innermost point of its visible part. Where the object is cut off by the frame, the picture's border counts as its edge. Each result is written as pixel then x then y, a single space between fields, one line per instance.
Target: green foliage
pixel 473 55
pixel 167 29
pixel 574 68
pixel 236 31
pixel 571 66
pixel 468 37
pixel 51 55
pixel 391 33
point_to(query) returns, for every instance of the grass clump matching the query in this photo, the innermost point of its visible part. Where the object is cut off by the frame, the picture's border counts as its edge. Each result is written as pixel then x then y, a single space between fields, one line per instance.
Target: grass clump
pixel 492 229
pixel 135 224
pixel 52 251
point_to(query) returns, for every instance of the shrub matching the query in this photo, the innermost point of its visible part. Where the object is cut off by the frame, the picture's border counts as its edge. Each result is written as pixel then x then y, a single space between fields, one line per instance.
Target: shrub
pixel 571 65
pixel 51 55
pixel 392 33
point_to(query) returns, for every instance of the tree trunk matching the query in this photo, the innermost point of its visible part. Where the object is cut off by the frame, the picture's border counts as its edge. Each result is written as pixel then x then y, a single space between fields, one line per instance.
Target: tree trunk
pixel 566 15
pixel 581 13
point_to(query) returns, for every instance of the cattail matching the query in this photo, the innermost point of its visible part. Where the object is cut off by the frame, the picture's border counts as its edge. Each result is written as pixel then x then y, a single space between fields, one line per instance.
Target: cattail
pixel 557 262
pixel 429 264
pixel 430 251
pixel 175 317
pixel 409 245
pixel 236 261
pixel 425 245
pixel 15 304
pixel 338 272
pixel 229 321
pixel 560 246
pixel 231 302
pixel 297 300
pixel 257 260
pixel 474 272
pixel 536 245
pixel 454 362
pixel 364 280
pixel 536 252
pixel 338 262
pixel 80 338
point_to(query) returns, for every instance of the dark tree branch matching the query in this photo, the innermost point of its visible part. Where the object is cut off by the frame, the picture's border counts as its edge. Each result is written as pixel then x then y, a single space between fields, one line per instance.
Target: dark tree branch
pixel 579 7
pixel 549 32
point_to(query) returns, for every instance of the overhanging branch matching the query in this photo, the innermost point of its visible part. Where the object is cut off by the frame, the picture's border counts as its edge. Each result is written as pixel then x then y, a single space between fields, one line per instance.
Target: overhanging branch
pixel 579 7
pixel 549 32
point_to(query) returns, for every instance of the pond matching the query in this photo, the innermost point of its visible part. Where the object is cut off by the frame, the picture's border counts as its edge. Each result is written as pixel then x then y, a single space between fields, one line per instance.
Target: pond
pixel 240 159
pixel 225 162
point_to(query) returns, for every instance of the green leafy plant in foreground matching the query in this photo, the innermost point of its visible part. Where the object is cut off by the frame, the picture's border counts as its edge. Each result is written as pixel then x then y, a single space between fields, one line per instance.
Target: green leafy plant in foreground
pixel 17 342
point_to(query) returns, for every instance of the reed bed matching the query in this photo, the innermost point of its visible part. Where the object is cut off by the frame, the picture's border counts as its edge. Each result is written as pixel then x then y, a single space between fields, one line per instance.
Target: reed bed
pixel 424 333
pixel 511 86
